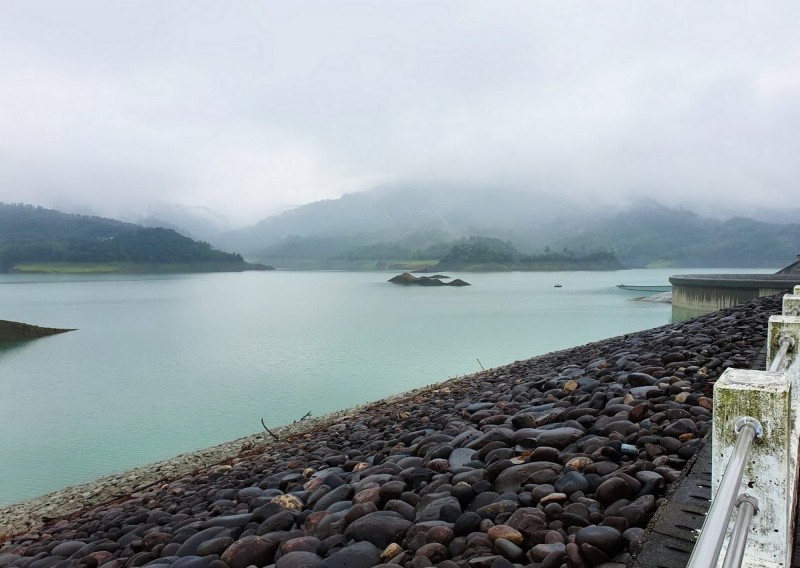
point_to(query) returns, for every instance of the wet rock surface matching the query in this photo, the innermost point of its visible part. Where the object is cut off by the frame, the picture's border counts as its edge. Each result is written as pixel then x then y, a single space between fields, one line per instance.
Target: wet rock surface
pixel 559 460
pixel 406 278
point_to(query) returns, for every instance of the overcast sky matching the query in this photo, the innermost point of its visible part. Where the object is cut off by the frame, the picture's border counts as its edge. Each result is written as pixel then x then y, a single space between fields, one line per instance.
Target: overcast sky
pixel 251 107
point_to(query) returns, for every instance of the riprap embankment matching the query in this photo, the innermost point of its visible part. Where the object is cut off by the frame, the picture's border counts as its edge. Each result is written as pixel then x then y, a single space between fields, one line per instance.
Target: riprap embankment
pixel 559 460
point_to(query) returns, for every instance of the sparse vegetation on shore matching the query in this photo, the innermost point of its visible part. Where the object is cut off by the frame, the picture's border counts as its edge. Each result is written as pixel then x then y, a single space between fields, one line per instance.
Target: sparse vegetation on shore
pixel 18 331
pixel 131 267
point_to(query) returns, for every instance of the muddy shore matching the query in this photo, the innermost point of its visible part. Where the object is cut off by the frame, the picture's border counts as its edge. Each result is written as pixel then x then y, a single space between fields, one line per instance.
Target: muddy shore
pixel 559 460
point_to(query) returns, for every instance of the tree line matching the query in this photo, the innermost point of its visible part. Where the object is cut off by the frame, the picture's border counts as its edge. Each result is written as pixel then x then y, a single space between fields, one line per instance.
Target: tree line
pixel 33 235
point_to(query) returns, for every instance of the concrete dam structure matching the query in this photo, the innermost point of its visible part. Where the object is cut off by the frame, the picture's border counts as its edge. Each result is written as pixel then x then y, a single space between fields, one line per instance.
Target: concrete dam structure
pixel 698 294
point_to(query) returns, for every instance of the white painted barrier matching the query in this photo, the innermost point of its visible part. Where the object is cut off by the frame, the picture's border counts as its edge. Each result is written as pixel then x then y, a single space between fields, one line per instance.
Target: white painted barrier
pixel 771 471
pixel 762 396
pixel 709 544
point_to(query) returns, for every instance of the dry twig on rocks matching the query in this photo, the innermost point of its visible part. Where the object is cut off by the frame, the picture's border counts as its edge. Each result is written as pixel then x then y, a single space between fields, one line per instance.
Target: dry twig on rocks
pixel 269 431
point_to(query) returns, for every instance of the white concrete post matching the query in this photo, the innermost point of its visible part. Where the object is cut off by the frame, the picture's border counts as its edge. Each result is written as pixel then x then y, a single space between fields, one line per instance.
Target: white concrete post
pixel 783 326
pixel 766 397
pixel 791 304
pixel 779 327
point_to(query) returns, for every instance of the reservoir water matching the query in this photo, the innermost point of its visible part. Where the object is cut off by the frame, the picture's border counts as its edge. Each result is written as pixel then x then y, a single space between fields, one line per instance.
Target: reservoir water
pixel 164 364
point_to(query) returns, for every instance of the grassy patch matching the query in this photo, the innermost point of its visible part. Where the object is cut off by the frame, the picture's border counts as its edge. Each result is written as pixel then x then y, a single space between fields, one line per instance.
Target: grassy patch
pixel 130 268
pixel 661 264
pixel 64 268
pixel 409 265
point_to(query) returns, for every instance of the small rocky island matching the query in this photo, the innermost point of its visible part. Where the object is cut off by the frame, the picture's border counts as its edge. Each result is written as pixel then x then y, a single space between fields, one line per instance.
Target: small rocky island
pixel 407 278
pixel 16 331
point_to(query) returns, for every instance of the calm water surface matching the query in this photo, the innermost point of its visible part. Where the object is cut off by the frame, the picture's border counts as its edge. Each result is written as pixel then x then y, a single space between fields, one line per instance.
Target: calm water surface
pixel 162 365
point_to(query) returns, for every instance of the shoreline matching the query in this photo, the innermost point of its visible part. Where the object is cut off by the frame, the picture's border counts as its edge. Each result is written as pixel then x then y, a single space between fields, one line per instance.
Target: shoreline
pixel 31 514
pixel 564 455
pixel 95 268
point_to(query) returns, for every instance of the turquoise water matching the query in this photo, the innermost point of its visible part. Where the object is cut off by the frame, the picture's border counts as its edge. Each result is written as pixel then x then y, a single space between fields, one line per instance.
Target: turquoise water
pixel 162 365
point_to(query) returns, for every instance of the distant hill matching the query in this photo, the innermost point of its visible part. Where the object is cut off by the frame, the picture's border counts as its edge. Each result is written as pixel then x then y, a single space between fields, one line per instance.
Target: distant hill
pixel 489 254
pixel 200 223
pixel 390 227
pixel 652 234
pixel 38 239
pixel 389 215
pixel 21 222
pixel 409 228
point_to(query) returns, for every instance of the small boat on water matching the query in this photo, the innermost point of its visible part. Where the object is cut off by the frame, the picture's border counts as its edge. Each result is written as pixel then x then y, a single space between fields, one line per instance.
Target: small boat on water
pixel 650 289
pixel 558 286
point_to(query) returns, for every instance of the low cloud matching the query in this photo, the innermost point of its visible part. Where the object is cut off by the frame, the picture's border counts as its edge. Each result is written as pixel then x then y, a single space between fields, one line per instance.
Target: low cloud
pixel 250 108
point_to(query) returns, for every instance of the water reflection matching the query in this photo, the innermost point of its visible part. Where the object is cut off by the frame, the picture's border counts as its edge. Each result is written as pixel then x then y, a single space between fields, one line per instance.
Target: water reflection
pixel 204 357
pixel 14 346
pixel 682 314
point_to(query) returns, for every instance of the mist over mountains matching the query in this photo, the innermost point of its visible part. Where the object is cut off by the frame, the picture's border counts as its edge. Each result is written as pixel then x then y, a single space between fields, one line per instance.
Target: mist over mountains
pixel 401 220
pixel 415 223
pixel 394 214
pixel 193 221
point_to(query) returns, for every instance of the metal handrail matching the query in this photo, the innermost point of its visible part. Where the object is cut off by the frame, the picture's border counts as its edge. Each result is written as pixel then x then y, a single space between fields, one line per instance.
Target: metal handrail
pixel 748 506
pixel 709 543
pixel 784 343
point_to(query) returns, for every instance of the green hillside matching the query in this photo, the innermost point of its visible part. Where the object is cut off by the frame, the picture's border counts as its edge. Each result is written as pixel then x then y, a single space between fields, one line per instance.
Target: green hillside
pixel 652 234
pixel 404 226
pixel 36 239
pixel 489 254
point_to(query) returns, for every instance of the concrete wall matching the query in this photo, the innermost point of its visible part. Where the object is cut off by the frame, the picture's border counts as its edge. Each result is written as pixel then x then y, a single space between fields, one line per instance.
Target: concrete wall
pixel 697 294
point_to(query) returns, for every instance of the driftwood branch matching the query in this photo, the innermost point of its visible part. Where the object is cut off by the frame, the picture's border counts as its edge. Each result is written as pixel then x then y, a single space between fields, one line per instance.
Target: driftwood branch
pixel 269 431
pixel 481 364
pixel 306 416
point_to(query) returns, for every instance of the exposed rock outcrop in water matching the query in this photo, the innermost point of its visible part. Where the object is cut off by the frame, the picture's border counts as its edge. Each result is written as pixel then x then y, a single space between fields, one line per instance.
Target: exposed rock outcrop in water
pixel 560 459
pixel 16 331
pixel 436 280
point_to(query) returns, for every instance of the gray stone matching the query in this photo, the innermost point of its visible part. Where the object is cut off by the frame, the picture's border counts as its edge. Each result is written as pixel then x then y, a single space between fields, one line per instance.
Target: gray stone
pixel 607 539
pixel 380 528
pixel 460 456
pixel 358 555
pixel 191 544
pixel 516 476
pixel 542 551
pixel 249 550
pixel 68 548
pixel 571 482
pixel 298 559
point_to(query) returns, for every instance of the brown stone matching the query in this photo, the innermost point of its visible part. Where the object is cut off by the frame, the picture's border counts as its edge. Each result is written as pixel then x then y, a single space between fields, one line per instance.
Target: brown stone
pixel 506 532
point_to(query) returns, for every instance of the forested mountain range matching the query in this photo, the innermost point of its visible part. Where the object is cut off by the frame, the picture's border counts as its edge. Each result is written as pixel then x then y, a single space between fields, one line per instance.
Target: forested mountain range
pixel 420 214
pixel 35 235
pixel 415 223
pixel 652 234
pixel 406 225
